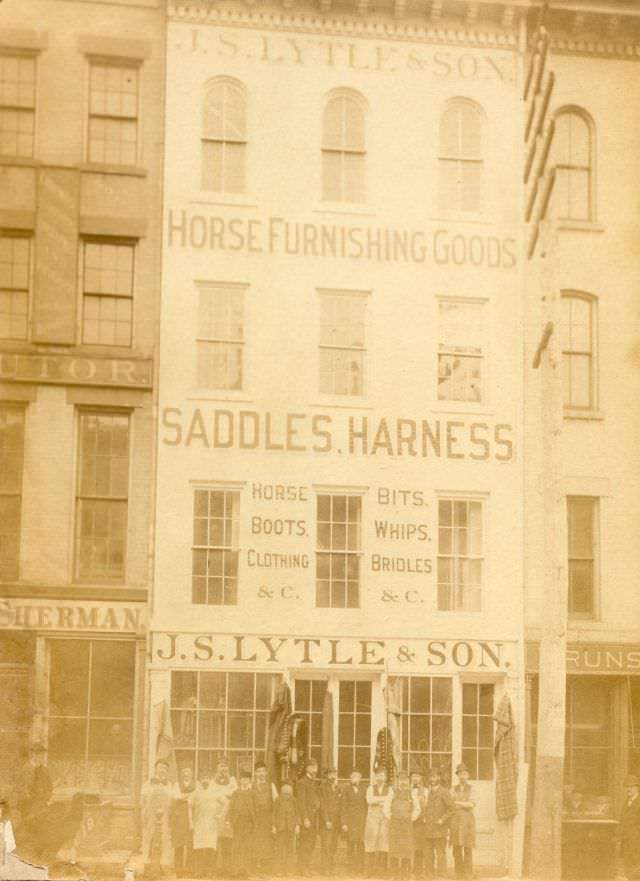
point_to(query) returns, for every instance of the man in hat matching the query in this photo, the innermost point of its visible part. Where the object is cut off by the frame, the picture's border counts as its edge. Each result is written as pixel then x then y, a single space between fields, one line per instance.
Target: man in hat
pixel 241 816
pixel 264 796
pixel 629 829
pixel 38 790
pixel 329 819
pixel 438 810
pixel 463 825
pixel 376 830
pixel 353 816
pixel 155 805
pixel 308 801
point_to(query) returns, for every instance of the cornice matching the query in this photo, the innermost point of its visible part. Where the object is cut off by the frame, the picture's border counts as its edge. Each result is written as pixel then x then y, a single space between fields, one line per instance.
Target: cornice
pixel 341 25
pixel 564 45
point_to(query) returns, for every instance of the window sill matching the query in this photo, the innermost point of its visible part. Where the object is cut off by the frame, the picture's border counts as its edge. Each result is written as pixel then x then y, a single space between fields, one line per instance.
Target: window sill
pixel 222 200
pixel 475 217
pixel 579 226
pixel 106 168
pixel 347 402
pixel 209 395
pixel 352 208
pixel 449 408
pixel 584 415
pixel 24 161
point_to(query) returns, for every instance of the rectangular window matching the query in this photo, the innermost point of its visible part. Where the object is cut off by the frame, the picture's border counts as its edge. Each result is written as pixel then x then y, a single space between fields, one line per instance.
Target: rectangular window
pixel 17 104
pixel 459 555
pixel 216 516
pixel 426 721
pixel 477 729
pixel 460 351
pixel 582 528
pixel 309 702
pixel 102 497
pixel 107 292
pixel 342 343
pixel 15 261
pixel 589 745
pixel 11 468
pixel 338 554
pixel 90 718
pixel 216 714
pixel 220 341
pixel 354 728
pixel 578 351
pixel 113 113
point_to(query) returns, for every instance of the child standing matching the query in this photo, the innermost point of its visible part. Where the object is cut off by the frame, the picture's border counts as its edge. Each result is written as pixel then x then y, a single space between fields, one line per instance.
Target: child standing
pixel 285 829
pixel 463 825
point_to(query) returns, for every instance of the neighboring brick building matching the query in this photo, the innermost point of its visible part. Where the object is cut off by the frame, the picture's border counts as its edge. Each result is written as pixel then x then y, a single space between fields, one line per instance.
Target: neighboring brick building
pixel 80 172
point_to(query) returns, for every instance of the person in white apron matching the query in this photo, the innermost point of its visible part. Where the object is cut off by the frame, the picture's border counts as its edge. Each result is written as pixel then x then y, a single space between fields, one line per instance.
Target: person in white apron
pixel 376 830
pixel 206 808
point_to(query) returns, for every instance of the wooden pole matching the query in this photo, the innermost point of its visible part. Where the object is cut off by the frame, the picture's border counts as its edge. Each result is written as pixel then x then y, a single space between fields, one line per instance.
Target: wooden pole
pixel 546 818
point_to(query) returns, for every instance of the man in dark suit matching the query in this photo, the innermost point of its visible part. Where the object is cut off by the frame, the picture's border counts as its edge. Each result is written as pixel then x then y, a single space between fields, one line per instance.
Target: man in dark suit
pixel 353 816
pixel 329 819
pixel 438 810
pixel 308 801
pixel 629 829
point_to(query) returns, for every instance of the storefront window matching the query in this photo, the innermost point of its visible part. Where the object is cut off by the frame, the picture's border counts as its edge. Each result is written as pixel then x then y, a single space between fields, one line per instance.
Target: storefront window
pixel 216 714
pixel 589 771
pixel 90 718
pixel 477 729
pixel 426 723
pixel 309 702
pixel 354 728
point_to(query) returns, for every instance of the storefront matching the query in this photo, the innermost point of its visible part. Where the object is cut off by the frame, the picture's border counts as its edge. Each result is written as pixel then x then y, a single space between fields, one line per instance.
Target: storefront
pixel 72 679
pixel 602 748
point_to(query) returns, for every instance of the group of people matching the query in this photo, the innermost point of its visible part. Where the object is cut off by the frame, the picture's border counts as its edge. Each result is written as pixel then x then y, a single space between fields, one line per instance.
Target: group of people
pixel 220 826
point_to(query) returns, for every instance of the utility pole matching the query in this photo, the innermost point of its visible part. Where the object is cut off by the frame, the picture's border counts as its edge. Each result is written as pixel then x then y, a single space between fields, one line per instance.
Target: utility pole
pixel 545 860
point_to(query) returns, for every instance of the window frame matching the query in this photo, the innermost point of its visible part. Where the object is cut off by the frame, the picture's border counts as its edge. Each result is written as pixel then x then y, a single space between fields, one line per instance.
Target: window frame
pixel 343 151
pixel 569 408
pixel 18 53
pixel 10 406
pixel 455 586
pixel 330 552
pixel 87 716
pixel 568 111
pixel 593 558
pixel 425 758
pixel 114 61
pixel 449 351
pixel 210 342
pixel 117 241
pixel 78 578
pixel 226 83
pixel 325 347
pixel 225 488
pixel 15 234
pixel 479 746
pixel 455 103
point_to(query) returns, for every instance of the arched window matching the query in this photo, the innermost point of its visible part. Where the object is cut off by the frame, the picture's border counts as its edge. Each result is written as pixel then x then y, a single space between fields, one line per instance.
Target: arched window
pixel 224 137
pixel 460 157
pixel 343 148
pixel 572 149
pixel 578 341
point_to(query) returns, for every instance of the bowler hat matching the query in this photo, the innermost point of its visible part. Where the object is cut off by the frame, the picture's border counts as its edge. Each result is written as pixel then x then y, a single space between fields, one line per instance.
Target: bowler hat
pixel 632 781
pixel 259 765
pixel 462 767
pixel 330 770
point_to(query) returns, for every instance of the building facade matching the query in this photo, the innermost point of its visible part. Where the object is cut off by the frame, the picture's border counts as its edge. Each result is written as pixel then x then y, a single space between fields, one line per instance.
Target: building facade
pixel 588 263
pixel 80 171
pixel 339 484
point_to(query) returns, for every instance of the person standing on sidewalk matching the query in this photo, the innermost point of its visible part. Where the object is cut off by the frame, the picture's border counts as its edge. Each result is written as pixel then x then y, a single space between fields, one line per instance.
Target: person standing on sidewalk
pixel 439 809
pixel 463 826
pixel 376 830
pixel 353 816
pixel 308 800
pixel 330 796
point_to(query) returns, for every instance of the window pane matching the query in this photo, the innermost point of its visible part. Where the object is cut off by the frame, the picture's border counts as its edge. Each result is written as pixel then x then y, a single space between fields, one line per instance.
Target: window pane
pixel 112 678
pixel 581 516
pixel 69 677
